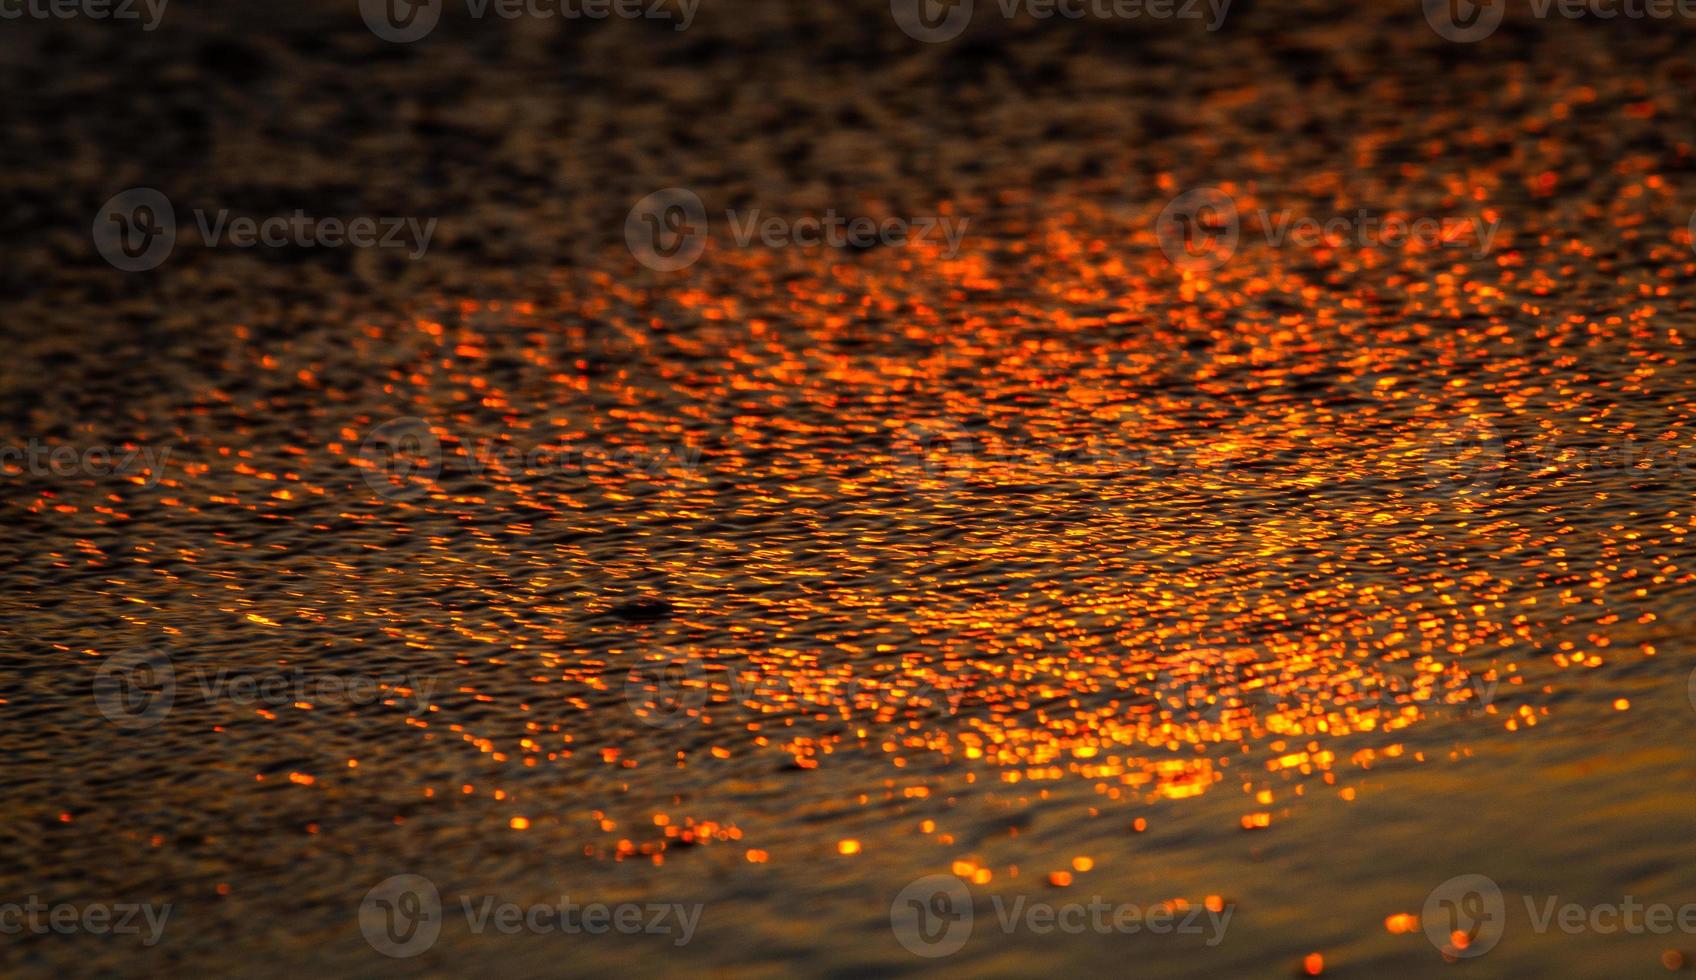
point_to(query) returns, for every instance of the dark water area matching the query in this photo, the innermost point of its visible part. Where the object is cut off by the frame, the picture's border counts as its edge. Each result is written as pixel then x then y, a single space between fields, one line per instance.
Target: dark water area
pixel 1272 592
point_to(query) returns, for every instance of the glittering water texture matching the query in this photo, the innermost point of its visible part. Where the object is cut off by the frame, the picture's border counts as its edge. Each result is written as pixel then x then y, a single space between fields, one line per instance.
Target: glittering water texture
pixel 1294 586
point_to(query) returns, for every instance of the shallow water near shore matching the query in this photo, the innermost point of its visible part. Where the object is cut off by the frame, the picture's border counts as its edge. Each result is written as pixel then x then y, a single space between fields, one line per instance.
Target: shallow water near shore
pixel 1269 597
